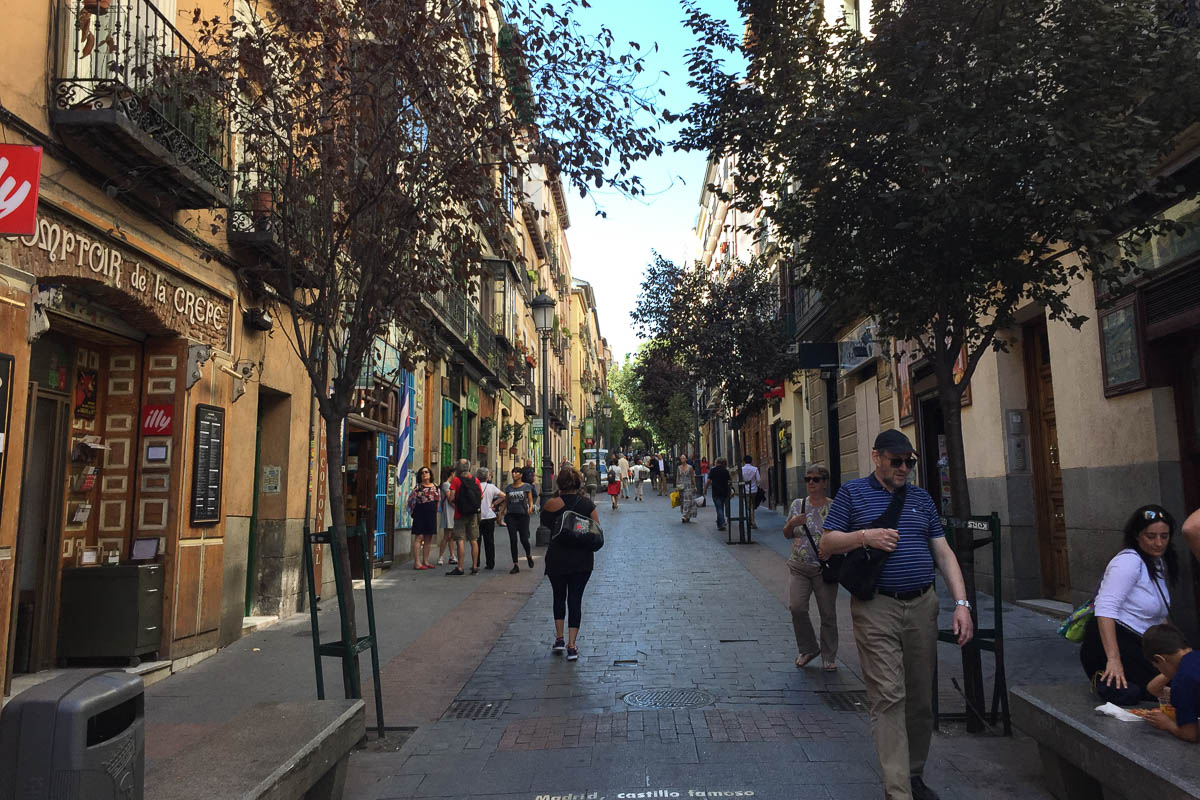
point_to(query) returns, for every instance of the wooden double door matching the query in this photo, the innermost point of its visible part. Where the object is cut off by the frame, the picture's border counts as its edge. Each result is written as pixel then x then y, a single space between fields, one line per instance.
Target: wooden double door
pixel 1047 467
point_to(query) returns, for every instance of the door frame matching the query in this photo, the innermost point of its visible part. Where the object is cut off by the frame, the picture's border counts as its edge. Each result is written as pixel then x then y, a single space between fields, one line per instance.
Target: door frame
pixel 1041 457
pixel 43 643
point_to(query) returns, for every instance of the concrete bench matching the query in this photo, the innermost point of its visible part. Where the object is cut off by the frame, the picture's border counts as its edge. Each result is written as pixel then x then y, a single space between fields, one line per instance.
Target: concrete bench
pixel 1088 756
pixel 280 751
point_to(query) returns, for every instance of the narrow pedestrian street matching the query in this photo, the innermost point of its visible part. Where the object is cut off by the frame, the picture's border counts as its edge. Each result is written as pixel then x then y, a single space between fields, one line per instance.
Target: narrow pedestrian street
pixel 669 607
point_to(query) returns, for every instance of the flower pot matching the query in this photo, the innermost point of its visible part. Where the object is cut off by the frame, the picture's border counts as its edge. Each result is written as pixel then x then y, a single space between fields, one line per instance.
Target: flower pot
pixel 504 445
pixel 262 204
pixel 483 449
pixel 512 451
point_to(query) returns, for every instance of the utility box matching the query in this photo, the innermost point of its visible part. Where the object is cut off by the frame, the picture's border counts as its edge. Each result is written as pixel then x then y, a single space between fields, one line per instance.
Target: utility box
pixel 80 736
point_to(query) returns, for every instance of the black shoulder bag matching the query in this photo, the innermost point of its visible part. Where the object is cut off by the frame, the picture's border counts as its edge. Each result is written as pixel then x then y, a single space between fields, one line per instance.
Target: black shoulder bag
pixel 863 565
pixel 831 568
pixel 577 531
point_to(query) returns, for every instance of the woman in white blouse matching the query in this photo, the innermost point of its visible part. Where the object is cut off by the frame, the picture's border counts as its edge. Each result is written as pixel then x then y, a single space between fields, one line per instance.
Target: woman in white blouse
pixel 1133 595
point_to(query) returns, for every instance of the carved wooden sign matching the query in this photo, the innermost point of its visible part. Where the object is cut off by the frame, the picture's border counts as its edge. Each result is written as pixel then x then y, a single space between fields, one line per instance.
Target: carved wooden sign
pixel 61 248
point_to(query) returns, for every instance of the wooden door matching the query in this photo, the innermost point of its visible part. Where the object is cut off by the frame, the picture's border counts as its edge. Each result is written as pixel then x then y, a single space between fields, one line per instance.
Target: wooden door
pixel 1047 468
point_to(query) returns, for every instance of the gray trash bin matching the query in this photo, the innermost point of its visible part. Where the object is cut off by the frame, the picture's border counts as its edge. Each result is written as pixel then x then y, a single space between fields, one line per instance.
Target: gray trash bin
pixel 80 736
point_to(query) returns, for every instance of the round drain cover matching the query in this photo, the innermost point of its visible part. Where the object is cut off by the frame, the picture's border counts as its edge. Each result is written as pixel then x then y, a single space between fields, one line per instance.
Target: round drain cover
pixel 669 698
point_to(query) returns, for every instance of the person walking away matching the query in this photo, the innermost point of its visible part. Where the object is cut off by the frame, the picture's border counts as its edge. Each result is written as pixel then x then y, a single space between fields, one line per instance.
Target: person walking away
pixel 568 568
pixel 614 482
pixel 424 504
pixel 623 469
pixel 753 480
pixel 805 525
pixel 517 508
pixel 896 629
pixel 655 465
pixel 466 494
pixel 718 481
pixel 685 481
pixel 1134 594
pixel 591 478
pixel 446 517
pixel 491 497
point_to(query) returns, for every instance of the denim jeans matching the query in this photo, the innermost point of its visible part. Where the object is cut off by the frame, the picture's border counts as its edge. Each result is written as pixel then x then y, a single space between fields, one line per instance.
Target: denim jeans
pixel 722 506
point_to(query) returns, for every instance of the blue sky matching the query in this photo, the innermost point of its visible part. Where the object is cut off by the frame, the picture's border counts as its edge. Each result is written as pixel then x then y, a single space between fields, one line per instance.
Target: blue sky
pixel 612 252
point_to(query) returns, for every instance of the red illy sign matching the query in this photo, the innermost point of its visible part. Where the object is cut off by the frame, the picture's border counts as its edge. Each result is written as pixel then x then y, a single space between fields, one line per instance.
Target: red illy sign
pixel 20 175
pixel 156 420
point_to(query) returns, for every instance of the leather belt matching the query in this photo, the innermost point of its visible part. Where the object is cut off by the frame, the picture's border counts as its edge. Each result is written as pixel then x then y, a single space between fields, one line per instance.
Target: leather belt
pixel 911 594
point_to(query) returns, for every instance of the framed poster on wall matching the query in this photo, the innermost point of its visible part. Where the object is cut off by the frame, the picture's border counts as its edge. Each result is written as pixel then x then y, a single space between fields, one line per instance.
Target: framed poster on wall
pixel 207 455
pixel 1122 348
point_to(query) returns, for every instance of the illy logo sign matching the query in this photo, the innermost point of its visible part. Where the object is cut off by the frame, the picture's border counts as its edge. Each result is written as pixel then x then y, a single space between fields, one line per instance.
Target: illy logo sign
pixel 20 174
pixel 156 420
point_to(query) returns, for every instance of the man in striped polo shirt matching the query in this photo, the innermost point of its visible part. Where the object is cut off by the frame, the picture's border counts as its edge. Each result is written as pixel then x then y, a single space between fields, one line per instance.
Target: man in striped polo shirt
pixel 896 630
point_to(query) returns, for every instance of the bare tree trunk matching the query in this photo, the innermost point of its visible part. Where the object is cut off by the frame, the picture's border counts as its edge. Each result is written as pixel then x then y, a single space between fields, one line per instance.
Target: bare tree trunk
pixel 341 549
pixel 950 398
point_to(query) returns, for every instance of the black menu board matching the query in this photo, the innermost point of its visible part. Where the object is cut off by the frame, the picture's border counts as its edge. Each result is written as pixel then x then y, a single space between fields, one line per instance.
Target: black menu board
pixel 206 465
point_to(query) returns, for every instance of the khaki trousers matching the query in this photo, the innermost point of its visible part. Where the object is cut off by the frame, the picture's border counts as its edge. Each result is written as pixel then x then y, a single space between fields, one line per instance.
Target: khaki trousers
pixel 802 586
pixel 897 645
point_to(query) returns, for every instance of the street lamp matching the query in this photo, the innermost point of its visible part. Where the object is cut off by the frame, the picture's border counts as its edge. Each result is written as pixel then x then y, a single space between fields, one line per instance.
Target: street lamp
pixel 596 424
pixel 607 419
pixel 543 323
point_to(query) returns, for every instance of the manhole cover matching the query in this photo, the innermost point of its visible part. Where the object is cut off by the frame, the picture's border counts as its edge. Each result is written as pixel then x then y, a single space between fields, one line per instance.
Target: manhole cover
pixel 475 709
pixel 668 698
pixel 845 701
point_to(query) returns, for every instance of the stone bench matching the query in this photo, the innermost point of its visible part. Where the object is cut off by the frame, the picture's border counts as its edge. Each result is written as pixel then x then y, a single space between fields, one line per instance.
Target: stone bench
pixel 1087 756
pixel 280 751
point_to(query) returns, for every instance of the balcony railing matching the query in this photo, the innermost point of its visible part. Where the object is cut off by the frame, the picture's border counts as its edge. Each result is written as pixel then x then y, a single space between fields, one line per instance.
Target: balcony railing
pixel 127 100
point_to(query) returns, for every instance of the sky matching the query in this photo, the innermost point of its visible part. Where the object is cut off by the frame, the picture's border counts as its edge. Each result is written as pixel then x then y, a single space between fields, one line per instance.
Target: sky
pixel 612 252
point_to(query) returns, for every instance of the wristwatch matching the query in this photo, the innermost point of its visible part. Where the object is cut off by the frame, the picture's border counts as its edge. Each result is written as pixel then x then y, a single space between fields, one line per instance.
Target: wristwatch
pixel 966 603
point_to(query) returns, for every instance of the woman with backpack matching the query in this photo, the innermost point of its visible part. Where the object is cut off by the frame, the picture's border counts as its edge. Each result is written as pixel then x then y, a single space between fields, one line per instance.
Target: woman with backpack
pixel 614 481
pixel 567 567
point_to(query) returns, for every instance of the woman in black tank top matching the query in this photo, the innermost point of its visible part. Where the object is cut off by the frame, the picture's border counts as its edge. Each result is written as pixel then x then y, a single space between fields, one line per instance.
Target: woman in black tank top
pixel 567 567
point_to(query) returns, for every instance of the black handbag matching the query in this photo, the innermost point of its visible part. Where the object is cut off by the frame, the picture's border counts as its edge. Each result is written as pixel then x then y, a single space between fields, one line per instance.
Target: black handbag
pixel 831 568
pixel 863 565
pixel 577 531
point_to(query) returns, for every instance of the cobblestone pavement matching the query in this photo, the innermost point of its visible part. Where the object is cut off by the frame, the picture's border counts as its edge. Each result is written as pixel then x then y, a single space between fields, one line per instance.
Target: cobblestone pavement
pixel 672 607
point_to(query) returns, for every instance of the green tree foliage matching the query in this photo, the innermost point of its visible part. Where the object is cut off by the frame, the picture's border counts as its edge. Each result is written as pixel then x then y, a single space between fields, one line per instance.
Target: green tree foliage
pixel 712 329
pixel 967 159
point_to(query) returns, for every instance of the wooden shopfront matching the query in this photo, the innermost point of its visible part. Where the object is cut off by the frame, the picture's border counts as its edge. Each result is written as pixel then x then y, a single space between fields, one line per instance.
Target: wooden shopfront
pixel 123 452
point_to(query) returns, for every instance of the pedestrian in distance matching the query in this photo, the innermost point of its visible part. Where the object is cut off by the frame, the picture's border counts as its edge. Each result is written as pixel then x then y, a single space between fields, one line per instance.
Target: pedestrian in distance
pixel 896 629
pixel 637 475
pixel 529 475
pixel 718 481
pixel 466 494
pixel 1134 594
pixel 424 504
pixel 685 481
pixel 804 526
pixel 446 517
pixel 591 478
pixel 614 482
pixel 623 470
pixel 752 478
pixel 491 497
pixel 655 465
pixel 517 508
pixel 568 568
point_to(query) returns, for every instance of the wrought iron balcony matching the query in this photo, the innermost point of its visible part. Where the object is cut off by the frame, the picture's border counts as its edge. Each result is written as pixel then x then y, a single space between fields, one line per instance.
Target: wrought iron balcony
pixel 126 100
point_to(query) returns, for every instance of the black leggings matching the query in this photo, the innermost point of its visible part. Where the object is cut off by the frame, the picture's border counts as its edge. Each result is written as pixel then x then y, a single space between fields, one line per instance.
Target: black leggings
pixel 517 523
pixel 1138 671
pixel 568 594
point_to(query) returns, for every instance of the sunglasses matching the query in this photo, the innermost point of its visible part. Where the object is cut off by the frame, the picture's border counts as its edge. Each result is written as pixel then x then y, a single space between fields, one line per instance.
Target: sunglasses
pixel 812 479
pixel 1150 515
pixel 909 462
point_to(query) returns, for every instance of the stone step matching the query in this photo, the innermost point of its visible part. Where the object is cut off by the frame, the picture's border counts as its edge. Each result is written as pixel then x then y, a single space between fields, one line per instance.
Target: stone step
pixel 1051 608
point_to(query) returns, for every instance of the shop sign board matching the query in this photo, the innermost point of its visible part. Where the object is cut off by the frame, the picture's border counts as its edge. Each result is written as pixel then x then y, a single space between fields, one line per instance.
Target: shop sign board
pixel 20 176
pixel 535 429
pixel 158 420
pixel 61 248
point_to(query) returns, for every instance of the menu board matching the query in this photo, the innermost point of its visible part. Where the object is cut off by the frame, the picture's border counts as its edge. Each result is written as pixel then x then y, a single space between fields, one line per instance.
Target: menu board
pixel 206 465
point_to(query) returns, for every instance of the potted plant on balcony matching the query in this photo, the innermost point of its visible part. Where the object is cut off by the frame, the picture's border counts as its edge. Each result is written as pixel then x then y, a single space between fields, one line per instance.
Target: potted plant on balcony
pixel 518 430
pixel 505 432
pixel 486 426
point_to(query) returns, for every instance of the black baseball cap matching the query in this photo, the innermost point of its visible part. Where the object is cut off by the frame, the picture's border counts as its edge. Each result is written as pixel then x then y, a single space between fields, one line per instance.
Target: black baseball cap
pixel 893 441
